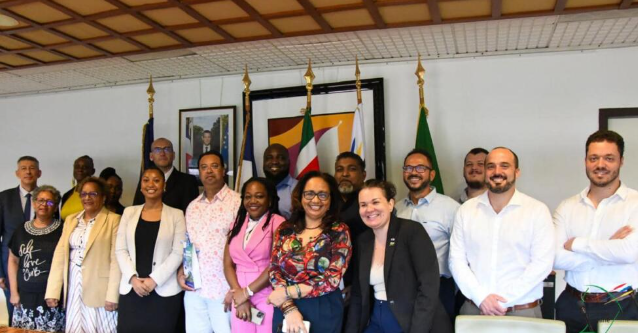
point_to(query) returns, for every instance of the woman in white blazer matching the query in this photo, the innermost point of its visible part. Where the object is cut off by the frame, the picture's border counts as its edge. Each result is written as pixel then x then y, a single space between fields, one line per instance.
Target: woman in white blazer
pixel 149 251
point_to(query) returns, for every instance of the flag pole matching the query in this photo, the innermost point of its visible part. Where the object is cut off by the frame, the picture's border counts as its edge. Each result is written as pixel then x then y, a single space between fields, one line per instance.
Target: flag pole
pixel 420 74
pixel 151 93
pixel 309 76
pixel 357 74
pixel 247 83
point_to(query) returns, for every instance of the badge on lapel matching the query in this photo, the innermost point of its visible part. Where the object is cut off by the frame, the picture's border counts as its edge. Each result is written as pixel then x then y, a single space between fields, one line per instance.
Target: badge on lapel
pixel 392 241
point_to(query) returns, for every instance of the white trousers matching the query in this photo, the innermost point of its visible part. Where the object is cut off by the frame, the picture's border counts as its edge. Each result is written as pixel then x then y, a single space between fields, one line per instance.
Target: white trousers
pixel 204 315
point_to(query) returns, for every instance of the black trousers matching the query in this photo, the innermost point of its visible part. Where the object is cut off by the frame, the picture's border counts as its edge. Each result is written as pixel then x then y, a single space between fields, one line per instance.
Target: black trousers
pixel 447 295
pixel 569 310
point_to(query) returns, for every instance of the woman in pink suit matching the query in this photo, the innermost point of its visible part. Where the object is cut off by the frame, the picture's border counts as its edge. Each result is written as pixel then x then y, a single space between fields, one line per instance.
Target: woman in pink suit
pixel 247 255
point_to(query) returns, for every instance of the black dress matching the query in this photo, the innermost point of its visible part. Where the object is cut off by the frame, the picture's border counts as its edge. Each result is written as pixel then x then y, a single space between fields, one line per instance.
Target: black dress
pixel 34 247
pixel 152 313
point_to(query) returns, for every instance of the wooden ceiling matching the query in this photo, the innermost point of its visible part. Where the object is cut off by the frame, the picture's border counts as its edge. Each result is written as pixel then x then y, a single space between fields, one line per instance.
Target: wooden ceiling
pixel 63 31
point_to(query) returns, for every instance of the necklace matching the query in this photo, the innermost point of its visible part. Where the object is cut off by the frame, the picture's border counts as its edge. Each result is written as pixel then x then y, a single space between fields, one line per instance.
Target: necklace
pixel 317 227
pixel 30 228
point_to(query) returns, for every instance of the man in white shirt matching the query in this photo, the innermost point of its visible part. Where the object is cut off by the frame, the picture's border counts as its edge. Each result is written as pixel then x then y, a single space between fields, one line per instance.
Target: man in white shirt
pixel 434 211
pixel 597 243
pixel 502 246
pixel 474 174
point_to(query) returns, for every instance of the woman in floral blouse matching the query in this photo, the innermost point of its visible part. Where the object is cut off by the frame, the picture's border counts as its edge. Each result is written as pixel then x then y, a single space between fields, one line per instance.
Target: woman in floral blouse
pixel 311 251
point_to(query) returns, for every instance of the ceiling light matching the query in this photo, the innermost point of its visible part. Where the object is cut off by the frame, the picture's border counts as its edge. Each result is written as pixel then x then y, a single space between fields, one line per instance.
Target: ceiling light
pixel 6 21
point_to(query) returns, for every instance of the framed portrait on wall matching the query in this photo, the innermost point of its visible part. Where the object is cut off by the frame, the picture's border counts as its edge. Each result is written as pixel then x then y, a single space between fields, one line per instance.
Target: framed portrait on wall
pixel 278 117
pixel 205 129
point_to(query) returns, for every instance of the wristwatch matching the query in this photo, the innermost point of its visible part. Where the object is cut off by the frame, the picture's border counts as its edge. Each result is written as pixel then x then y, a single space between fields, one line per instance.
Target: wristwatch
pixel 250 292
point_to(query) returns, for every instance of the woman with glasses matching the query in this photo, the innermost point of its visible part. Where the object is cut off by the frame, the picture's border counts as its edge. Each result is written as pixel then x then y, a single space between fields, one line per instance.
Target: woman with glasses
pixel 149 249
pixel 311 252
pixel 31 250
pixel 247 255
pixel 84 269
pixel 396 284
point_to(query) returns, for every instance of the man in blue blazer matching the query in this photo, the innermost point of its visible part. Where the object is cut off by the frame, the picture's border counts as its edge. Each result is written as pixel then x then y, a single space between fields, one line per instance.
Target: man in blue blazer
pixel 15 209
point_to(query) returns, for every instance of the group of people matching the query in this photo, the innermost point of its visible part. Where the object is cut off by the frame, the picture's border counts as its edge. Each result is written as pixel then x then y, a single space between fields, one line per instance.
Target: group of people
pixel 322 253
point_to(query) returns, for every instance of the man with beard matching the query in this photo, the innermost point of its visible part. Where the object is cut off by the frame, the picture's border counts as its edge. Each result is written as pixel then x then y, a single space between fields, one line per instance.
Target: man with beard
pixel 474 174
pixel 277 169
pixel 350 172
pixel 434 211
pixel 181 188
pixel 502 246
pixel 596 241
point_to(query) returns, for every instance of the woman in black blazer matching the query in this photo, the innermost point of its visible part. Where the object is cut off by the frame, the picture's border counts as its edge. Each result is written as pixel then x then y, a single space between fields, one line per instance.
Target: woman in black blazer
pixel 396 277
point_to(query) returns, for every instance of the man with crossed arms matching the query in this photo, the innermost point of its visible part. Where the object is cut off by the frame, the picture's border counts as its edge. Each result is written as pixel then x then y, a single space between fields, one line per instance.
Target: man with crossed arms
pixel 502 245
pixel 596 241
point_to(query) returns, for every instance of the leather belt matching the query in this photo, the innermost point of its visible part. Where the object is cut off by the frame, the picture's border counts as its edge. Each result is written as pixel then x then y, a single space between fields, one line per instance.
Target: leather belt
pixel 593 297
pixel 518 307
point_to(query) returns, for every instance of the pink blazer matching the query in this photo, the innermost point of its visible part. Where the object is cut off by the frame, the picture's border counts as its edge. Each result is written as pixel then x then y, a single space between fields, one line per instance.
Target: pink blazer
pixel 255 258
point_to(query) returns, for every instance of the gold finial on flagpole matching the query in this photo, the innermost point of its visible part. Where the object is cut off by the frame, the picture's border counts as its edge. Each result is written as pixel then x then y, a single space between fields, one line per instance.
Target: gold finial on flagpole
pixel 247 82
pixel 151 92
pixel 357 74
pixel 420 74
pixel 309 76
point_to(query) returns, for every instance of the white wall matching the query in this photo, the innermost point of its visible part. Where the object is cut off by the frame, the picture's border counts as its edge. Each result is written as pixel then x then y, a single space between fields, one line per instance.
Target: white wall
pixel 543 106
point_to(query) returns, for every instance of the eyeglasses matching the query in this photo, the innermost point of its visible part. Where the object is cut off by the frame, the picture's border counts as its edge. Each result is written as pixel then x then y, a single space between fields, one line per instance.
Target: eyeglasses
pixel 89 194
pixel 418 168
pixel 40 202
pixel 166 150
pixel 309 195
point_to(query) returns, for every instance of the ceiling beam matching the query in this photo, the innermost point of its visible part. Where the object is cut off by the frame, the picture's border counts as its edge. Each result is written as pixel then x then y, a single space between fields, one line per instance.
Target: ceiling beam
pixel 625 4
pixel 23 56
pixel 257 17
pixel 127 10
pixel 497 8
pixel 96 25
pixel 312 11
pixel 374 12
pixel 435 13
pixel 41 47
pixel 12 3
pixel 203 20
pixel 54 32
pixel 560 6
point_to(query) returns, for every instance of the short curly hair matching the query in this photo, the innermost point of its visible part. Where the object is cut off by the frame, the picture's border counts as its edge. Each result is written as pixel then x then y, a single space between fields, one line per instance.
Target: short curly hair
pixel 47 188
pixel 99 182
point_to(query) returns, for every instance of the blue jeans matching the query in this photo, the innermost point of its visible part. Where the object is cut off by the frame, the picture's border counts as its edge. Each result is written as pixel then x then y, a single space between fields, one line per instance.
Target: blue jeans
pixel 382 319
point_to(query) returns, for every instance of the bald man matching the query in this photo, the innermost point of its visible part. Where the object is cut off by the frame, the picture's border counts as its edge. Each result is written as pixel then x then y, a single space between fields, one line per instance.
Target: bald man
pixel 181 188
pixel 502 246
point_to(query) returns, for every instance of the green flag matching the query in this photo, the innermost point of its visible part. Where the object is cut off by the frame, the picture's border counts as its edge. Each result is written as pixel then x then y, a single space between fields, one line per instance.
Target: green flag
pixel 424 141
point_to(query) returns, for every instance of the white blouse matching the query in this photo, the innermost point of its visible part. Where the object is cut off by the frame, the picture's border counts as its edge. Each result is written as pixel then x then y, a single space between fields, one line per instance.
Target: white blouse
pixel 377 282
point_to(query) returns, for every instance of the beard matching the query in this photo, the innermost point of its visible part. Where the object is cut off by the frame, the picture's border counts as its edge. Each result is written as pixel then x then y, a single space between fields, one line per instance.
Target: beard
pixel 503 187
pixel 276 177
pixel 423 186
pixel 613 175
pixel 346 187
pixel 474 184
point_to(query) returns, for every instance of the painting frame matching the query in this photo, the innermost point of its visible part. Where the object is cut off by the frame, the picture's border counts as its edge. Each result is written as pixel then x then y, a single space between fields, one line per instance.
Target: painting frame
pixel 192 124
pixel 374 85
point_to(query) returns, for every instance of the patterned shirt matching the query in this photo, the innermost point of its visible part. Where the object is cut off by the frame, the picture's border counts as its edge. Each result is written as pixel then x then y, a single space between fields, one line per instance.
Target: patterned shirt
pixel 207 224
pixel 319 264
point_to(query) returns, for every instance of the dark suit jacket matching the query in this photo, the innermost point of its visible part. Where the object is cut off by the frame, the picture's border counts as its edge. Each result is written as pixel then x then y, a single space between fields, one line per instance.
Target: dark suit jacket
pixel 11 216
pixel 411 274
pixel 349 214
pixel 181 189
